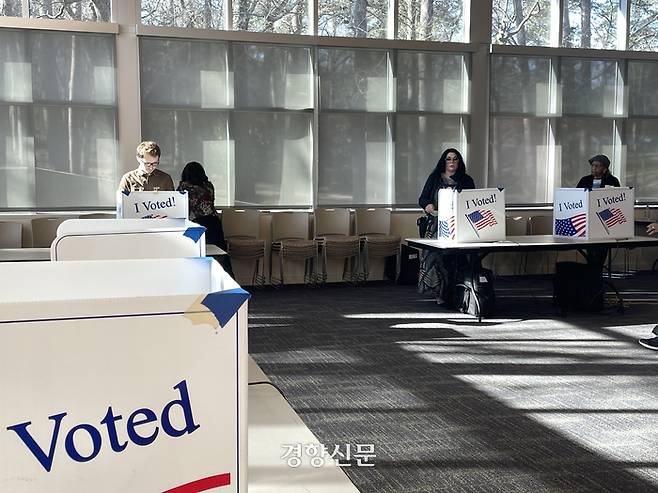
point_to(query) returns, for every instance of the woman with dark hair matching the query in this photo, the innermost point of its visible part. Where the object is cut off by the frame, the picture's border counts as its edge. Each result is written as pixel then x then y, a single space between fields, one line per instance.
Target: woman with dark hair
pixel 201 204
pixel 438 271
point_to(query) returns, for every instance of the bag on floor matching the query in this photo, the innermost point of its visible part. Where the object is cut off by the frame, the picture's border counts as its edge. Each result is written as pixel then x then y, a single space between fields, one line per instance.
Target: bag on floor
pixel 409 266
pixel 578 286
pixel 468 285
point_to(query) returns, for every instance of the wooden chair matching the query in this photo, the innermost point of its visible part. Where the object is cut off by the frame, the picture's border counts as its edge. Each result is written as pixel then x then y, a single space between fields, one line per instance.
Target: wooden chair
pixel 241 232
pixel 373 226
pixel 332 233
pixel 11 234
pixel 44 230
pixel 290 241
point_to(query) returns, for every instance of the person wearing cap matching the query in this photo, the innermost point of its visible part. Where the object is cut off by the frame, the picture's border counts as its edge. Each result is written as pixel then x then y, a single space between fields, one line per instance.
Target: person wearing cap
pixel 651 342
pixel 600 176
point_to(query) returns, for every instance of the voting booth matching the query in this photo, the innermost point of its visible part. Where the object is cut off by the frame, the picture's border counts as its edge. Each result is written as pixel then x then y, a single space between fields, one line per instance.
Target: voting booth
pixel 106 239
pixel 146 205
pixel 600 213
pixel 471 215
pixel 122 375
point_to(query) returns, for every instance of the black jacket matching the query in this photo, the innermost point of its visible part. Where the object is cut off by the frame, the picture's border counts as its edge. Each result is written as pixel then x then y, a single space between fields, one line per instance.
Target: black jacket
pixel 433 183
pixel 607 180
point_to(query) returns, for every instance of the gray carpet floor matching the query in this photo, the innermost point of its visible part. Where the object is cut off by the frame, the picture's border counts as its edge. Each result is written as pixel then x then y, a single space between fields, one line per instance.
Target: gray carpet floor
pixel 526 402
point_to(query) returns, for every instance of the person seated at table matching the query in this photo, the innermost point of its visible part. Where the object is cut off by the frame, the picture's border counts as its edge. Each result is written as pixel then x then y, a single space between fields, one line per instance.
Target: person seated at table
pixel 146 177
pixel 600 176
pixel 651 342
pixel 201 206
pixel 438 272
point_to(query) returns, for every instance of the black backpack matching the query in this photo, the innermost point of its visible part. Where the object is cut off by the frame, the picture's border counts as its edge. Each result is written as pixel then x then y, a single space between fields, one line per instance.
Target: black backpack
pixel 469 283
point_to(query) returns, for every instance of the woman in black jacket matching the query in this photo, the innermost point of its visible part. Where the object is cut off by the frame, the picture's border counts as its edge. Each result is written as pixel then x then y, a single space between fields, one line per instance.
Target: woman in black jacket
pixel 438 272
pixel 600 176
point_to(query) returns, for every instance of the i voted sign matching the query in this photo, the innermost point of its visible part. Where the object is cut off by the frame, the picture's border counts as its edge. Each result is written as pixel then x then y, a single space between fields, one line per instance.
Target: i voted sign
pixel 84 441
pixel 149 205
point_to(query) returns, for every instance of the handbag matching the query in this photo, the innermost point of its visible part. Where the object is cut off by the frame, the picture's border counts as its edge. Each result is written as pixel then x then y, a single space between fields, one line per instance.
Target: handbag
pixel 422 223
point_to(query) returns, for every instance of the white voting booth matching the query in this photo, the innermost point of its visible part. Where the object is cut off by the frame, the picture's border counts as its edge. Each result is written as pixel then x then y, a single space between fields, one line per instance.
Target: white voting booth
pixel 601 213
pixel 146 205
pixel 122 375
pixel 106 239
pixel 471 215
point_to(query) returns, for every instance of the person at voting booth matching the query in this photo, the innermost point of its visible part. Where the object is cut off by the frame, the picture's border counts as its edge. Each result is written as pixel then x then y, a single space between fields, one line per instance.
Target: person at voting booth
pixel 146 178
pixel 600 176
pixel 201 206
pixel 438 271
pixel 651 342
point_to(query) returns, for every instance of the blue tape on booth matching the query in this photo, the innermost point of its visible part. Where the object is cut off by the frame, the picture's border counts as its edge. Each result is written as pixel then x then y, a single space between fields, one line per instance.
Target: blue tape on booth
pixel 125 192
pixel 225 304
pixel 194 233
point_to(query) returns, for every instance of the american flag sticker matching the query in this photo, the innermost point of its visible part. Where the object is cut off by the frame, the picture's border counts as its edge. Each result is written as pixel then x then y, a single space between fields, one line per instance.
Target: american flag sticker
pixel 571 226
pixel 447 228
pixel 611 217
pixel 481 219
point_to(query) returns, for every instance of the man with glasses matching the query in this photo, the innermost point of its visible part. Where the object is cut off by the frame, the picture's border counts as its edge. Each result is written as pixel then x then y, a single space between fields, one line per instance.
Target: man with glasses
pixel 146 177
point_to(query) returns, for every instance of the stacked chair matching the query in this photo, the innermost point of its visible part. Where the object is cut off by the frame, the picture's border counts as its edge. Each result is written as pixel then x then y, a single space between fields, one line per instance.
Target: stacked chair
pixel 241 231
pixel 44 230
pixel 11 234
pixel 290 241
pixel 374 229
pixel 332 234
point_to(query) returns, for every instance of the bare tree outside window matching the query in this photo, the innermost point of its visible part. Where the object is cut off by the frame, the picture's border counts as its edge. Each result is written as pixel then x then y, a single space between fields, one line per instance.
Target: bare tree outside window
pixel 590 24
pixel 352 18
pixel 11 8
pixel 78 10
pixel 521 22
pixel 200 14
pixel 272 16
pixel 431 20
pixel 643 29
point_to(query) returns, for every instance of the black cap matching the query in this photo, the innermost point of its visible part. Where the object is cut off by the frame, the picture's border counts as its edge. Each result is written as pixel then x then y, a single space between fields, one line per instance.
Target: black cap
pixel 601 158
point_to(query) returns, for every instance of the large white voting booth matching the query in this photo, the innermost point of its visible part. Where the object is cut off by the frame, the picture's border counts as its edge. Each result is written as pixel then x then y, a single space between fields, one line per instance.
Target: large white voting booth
pixel 596 214
pixel 122 376
pixel 471 215
pixel 106 239
pixel 145 205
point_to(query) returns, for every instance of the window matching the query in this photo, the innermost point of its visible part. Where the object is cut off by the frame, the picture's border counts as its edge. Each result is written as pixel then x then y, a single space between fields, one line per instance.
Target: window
pixel 77 10
pixel 58 120
pixel 352 18
pixel 271 16
pixel 431 20
pixel 246 121
pixel 591 24
pixel 643 29
pixel 523 22
pixel 203 14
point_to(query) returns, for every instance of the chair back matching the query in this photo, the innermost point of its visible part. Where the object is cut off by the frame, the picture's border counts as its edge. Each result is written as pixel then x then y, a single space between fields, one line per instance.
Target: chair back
pixel 516 226
pixel 541 225
pixel 240 223
pixel 10 234
pixel 44 230
pixel 332 222
pixel 290 225
pixel 373 221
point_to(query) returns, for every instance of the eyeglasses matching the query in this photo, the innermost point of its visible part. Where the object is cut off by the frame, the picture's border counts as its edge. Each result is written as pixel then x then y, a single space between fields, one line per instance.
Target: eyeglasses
pixel 148 163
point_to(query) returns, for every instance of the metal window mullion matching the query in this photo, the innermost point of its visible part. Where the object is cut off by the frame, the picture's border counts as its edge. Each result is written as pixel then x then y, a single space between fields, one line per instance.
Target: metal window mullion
pixel 228 15
pixel 392 23
pixel 623 23
pixel 315 129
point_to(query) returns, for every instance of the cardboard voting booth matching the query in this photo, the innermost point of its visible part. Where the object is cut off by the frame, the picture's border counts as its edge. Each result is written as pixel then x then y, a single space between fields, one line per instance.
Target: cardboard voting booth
pixel 601 213
pixel 145 205
pixel 123 375
pixel 471 215
pixel 106 239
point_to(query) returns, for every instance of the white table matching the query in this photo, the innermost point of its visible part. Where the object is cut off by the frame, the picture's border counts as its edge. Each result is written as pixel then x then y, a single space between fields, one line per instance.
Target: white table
pixel 42 254
pixel 475 252
pixel 24 254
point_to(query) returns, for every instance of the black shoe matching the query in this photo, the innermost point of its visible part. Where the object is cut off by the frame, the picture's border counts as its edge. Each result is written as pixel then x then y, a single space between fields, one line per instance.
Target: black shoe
pixel 650 343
